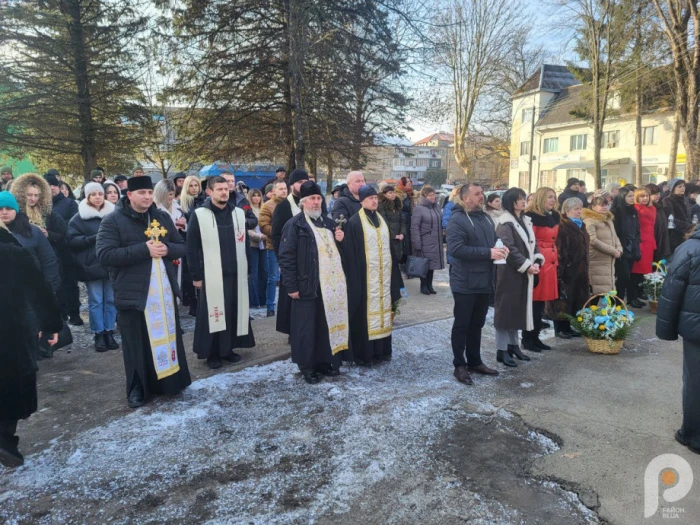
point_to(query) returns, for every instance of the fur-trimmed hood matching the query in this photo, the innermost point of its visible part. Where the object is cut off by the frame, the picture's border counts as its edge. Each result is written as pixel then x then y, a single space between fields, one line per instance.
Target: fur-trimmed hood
pixel 87 212
pixel 19 189
pixel 588 213
pixel 386 203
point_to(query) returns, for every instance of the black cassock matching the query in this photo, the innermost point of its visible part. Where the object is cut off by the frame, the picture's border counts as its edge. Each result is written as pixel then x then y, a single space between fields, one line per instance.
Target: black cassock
pixel 138 358
pixel 361 348
pixel 218 344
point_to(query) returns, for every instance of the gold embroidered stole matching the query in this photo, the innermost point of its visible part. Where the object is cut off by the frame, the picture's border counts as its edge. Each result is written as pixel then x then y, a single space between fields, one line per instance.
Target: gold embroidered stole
pixel 378 275
pixel 333 286
pixel 160 321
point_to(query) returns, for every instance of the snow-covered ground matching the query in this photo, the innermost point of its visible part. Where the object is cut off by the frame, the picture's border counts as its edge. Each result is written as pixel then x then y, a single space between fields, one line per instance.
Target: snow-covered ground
pixel 262 446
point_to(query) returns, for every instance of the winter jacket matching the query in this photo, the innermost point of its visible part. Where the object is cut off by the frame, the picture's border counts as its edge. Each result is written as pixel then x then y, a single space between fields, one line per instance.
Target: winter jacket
pixel 470 237
pixel 65 207
pixel 121 246
pixel 255 235
pixel 447 213
pixel 35 242
pixel 678 206
pixel 546 228
pixel 32 308
pixel 406 211
pixel 265 220
pixel 661 236
pixel 647 246
pixel 82 238
pixel 494 214
pixel 567 194
pixel 679 304
pixel 346 205
pixel 391 213
pixel 604 244
pixel 627 229
pixel 298 256
pixel 573 244
pixel 227 243
pixel 514 286
pixel 426 233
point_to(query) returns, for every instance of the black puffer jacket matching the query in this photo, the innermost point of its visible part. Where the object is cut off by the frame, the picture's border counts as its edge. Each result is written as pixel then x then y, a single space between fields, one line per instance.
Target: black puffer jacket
pixel 298 256
pixel 679 207
pixel 36 243
pixel 627 229
pixel 82 238
pixel 469 242
pixel 679 304
pixel 121 246
pixel 65 207
pixel 346 205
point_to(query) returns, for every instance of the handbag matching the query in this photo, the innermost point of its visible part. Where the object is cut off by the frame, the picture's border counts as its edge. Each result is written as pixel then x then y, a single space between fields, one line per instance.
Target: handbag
pixel 65 338
pixel 417 266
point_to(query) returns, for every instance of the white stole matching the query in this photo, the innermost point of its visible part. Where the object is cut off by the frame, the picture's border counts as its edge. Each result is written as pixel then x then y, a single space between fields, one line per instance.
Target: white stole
pixel 333 288
pixel 160 321
pixel 296 210
pixel 213 273
pixel 378 268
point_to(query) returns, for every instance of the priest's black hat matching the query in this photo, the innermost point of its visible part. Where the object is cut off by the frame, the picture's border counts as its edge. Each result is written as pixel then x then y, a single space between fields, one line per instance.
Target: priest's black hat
pixel 139 183
pixel 366 191
pixel 297 175
pixel 310 188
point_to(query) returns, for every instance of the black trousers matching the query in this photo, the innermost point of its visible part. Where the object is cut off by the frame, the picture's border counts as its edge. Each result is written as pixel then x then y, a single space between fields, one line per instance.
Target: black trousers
pixel 537 311
pixel 68 295
pixel 624 283
pixel 428 281
pixel 8 429
pixel 690 431
pixel 470 315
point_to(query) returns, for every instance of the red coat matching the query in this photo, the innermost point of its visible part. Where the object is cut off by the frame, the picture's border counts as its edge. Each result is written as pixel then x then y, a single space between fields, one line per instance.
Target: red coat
pixel 647 220
pixel 546 229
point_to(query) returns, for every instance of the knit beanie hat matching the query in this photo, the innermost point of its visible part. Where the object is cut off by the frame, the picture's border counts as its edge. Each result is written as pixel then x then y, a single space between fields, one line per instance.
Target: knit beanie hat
pixel 52 180
pixel 93 186
pixel 7 200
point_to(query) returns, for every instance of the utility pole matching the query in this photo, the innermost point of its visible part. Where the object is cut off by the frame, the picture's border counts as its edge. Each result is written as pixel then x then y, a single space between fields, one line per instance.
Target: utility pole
pixel 532 147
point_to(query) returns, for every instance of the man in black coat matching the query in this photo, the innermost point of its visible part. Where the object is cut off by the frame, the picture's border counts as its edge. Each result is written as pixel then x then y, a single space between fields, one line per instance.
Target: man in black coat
pixel 679 314
pixel 126 250
pixel 573 189
pixel 348 204
pixel 312 272
pixel 471 238
pixel 22 282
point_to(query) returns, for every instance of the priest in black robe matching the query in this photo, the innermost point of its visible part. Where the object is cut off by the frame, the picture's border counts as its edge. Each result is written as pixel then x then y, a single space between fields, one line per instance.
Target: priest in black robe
pixel 312 271
pixel 374 282
pixel 218 260
pixel 158 366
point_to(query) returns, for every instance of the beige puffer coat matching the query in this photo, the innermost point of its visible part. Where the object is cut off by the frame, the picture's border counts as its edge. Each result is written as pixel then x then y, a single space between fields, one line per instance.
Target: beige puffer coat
pixel 604 243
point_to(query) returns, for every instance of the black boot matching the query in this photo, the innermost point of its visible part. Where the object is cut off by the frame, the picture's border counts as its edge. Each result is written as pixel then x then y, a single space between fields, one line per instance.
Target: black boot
pixel 431 289
pixel 529 344
pixel 563 335
pixel 135 398
pixel 75 320
pixel 100 342
pixel 514 351
pixel 109 339
pixel 10 456
pixel 503 357
pixel 540 344
pixel 424 287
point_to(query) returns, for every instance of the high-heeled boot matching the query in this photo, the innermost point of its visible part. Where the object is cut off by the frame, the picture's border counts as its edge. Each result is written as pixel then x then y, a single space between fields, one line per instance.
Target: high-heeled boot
pixel 514 351
pixel 503 357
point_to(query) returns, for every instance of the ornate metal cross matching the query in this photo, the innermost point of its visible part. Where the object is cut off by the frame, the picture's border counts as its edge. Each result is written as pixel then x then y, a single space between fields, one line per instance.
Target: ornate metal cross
pixel 155 231
pixel 340 221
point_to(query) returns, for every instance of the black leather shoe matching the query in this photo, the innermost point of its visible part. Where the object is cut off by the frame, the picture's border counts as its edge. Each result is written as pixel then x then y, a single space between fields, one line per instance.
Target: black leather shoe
pixel 193 311
pixel 100 342
pixel 111 342
pixel 514 351
pixel 233 358
pixel 135 398
pixel 563 335
pixel 541 345
pixel 311 378
pixel 10 456
pixel 431 289
pixel 214 363
pixel 530 346
pixel 483 370
pixel 327 371
pixel 75 320
pixel 270 313
pixel 424 290
pixel 462 375
pixel 503 357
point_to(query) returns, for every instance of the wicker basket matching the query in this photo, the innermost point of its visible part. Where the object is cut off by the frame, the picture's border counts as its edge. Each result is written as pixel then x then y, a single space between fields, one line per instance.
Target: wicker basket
pixel 604 346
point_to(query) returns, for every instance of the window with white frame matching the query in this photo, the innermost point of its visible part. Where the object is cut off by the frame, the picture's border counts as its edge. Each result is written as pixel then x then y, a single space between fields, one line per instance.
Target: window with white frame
pixel 611 139
pixel 524 178
pixel 649 135
pixel 527 115
pixel 577 142
pixel 525 147
pixel 548 178
pixel 551 145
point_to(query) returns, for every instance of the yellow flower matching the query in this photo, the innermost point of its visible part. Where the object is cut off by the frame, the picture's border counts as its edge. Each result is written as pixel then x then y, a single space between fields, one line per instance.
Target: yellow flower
pixel 618 308
pixel 594 308
pixel 601 327
pixel 603 312
pixel 579 319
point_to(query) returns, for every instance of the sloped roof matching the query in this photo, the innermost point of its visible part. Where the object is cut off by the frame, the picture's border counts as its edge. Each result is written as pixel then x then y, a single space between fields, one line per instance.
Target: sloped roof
pixel 558 111
pixel 449 137
pixel 548 78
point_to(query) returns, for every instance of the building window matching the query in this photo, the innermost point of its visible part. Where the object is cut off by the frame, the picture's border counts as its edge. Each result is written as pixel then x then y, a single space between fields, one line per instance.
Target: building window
pixel 578 142
pixel 611 139
pixel 548 178
pixel 524 178
pixel 525 148
pixel 649 174
pixel 649 135
pixel 551 145
pixel 575 174
pixel 527 115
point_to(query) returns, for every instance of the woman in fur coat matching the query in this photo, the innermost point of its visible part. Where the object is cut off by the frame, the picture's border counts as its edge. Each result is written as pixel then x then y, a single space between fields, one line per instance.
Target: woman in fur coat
pixel 605 247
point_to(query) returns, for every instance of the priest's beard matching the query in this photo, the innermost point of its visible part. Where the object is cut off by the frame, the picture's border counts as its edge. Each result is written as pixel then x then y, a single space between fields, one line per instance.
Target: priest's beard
pixel 313 214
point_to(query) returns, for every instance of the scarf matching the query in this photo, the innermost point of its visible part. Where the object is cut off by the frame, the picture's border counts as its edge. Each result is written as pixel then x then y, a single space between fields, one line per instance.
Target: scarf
pixel 577 222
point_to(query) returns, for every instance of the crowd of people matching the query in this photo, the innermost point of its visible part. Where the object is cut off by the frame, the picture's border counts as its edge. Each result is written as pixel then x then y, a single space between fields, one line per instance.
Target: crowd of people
pixel 331 272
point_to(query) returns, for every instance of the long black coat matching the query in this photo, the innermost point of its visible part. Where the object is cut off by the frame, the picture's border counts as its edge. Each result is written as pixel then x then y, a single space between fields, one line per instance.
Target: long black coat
pixel 82 238
pixel 121 246
pixel 678 206
pixel 627 228
pixel 679 304
pixel 663 241
pixel 65 207
pixel 21 281
pixel 39 247
pixel 392 214
pixel 573 244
